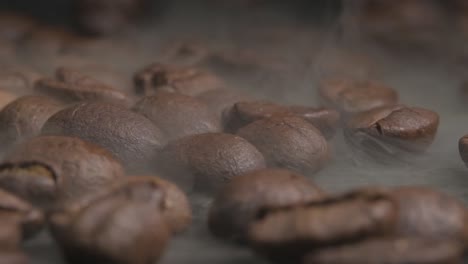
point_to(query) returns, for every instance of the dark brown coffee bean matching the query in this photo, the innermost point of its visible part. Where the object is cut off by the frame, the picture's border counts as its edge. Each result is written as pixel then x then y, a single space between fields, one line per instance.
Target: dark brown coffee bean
pixel 351 96
pixel 163 195
pixel 71 86
pixel 288 142
pixel 178 115
pixel 185 80
pixel 391 132
pixel 208 161
pixel 240 201
pixel 15 211
pixel 51 170
pixel 244 113
pixel 131 137
pixel 100 17
pixel 429 213
pixel 335 220
pixel 23 118
pixel 111 230
pixel 218 100
pixel 463 149
pixel 400 250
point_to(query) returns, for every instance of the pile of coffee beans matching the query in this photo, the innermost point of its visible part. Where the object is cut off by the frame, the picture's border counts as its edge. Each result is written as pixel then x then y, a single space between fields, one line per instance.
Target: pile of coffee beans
pixel 114 161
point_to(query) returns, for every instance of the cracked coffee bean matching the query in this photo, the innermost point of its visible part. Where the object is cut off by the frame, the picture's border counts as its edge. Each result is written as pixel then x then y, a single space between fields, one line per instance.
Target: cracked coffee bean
pixel 122 228
pixel 351 96
pixel 390 133
pixel 24 117
pixel 206 162
pixel 71 86
pixel 178 115
pixel 130 137
pixel 399 250
pixel 241 200
pixel 185 80
pixel 162 195
pixel 288 142
pixel 290 232
pixel 52 170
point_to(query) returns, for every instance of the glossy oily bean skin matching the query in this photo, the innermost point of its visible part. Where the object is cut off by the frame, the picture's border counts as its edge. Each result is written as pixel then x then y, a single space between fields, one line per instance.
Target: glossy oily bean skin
pixel 288 142
pixel 162 195
pixel 51 170
pixel 399 250
pixel 391 132
pixel 111 230
pixel 242 199
pixel 71 86
pixel 290 232
pixel 206 162
pixel 178 115
pixel 463 149
pixel 429 213
pixel 23 118
pixel 130 137
pixel 351 96
pixel 15 211
pixel 185 80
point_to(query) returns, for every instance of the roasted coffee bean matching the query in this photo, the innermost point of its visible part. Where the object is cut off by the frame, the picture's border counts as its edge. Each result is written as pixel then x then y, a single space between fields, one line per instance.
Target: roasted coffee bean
pixel 392 132
pixel 50 170
pixel 352 96
pixel 206 162
pixel 185 80
pixel 70 86
pixel 163 195
pixel 218 100
pixel 178 115
pixel 24 117
pixel 428 213
pixel 284 233
pixel 244 113
pixel 111 230
pixel 131 137
pixel 288 142
pixel 399 250
pixel 15 211
pixel 240 201
pixel 100 17
pixel 463 149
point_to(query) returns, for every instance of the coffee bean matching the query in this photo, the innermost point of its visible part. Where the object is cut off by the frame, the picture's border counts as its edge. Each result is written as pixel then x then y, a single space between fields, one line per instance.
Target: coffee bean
pixel 185 80
pixel 463 149
pixel 114 229
pixel 244 113
pixel 241 200
pixel 290 232
pixel 392 132
pixel 428 213
pixel 288 142
pixel 178 115
pixel 17 212
pixel 399 250
pixel 206 162
pixel 71 86
pixel 131 137
pixel 23 118
pixel 351 96
pixel 51 170
pixel 163 195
